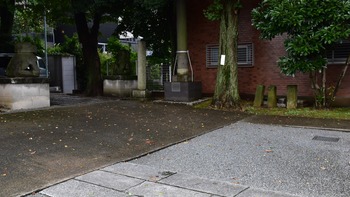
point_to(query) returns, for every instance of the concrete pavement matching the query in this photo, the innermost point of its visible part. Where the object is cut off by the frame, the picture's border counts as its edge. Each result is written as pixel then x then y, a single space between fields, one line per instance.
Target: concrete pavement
pixel 241 160
pixel 129 179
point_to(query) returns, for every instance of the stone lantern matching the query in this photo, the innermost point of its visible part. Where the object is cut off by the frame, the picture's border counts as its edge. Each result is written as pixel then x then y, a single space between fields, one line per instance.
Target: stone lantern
pixel 24 62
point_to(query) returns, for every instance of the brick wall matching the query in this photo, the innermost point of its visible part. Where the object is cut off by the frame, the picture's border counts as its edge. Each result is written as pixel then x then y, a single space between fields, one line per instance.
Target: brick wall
pixel 202 32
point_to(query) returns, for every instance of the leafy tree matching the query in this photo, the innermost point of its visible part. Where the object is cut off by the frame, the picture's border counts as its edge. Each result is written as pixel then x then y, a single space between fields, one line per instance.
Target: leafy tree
pixel 226 88
pixel 121 58
pixel 7 10
pixel 94 12
pixel 24 16
pixel 88 15
pixel 154 21
pixel 310 27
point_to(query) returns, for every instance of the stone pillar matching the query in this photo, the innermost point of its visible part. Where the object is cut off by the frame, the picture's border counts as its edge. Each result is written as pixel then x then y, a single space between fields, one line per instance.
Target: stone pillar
pixel 259 96
pixel 272 97
pixel 292 96
pixel 141 91
pixel 141 65
pixel 181 26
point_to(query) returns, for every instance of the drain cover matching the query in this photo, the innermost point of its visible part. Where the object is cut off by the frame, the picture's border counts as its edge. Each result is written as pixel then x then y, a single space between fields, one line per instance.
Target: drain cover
pixel 326 139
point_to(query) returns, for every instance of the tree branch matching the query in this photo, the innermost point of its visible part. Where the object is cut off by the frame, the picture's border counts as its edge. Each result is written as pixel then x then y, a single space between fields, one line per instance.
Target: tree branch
pixel 342 74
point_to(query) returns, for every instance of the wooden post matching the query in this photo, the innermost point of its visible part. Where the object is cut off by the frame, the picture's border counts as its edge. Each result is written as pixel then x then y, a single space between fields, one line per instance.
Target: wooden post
pixel 272 97
pixel 259 96
pixel 292 96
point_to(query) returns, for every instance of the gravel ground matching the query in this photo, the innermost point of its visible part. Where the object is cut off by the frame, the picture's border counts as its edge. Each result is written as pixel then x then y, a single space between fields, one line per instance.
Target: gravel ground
pixel 275 158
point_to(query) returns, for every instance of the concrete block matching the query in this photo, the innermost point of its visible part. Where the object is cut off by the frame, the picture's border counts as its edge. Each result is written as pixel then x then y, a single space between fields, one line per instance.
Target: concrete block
pixel 24 96
pixel 138 171
pixel 182 91
pixel 149 189
pixel 110 180
pixel 141 94
pixel 40 101
pixel 121 88
pixel 74 188
pixel 205 185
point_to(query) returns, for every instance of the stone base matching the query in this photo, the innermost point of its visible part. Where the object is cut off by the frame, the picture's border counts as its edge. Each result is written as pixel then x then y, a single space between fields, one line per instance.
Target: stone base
pixel 119 88
pixel 141 94
pixel 182 91
pixel 24 93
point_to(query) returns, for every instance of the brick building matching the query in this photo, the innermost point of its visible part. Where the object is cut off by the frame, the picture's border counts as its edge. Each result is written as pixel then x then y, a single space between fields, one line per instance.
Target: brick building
pixel 257 58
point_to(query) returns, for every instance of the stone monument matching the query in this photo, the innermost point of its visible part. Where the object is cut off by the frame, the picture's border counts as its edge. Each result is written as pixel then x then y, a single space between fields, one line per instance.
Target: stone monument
pixel 24 62
pixel 22 88
pixel 141 91
pixel 182 88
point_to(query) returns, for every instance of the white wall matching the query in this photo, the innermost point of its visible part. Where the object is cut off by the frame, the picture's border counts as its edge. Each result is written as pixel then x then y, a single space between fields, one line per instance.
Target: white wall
pixel 24 96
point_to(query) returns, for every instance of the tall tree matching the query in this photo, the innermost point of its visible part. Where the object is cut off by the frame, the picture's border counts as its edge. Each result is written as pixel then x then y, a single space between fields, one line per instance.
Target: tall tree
pixel 88 16
pixel 88 37
pixel 7 10
pixel 226 88
pixel 154 21
pixel 310 28
pixel 149 19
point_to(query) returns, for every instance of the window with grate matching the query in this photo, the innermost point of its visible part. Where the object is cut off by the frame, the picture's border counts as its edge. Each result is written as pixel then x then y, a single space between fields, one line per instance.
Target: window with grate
pixel 245 55
pixel 338 53
pixel 212 55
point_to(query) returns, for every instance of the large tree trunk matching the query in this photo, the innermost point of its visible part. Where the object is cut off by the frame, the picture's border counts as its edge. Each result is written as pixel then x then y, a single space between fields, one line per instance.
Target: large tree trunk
pixel 7 11
pixel 88 38
pixel 226 90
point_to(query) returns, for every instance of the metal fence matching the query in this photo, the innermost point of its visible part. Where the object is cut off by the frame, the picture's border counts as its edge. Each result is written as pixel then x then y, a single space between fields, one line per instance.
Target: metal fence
pixel 157 75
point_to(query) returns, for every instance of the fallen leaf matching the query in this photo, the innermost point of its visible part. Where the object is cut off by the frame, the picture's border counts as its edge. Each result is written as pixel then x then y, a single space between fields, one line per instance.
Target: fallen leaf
pixel 148 141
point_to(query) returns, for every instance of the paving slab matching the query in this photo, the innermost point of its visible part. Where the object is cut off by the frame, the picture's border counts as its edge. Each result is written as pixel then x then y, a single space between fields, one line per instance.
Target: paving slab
pixel 139 171
pixel 150 189
pixel 110 180
pixel 263 193
pixel 205 185
pixel 75 188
